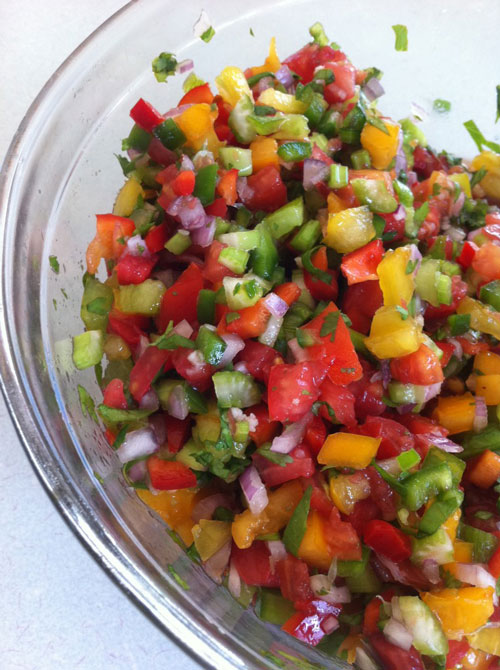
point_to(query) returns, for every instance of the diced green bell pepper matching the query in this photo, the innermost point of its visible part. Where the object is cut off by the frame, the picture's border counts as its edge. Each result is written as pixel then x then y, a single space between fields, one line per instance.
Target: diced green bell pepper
pixel 244 239
pixel 286 218
pixel 330 123
pixel 234 259
pixel 307 236
pixel 425 484
pixel 490 294
pixel 295 151
pixel 374 193
pixel 205 307
pixel 211 345
pixel 437 547
pixel 264 258
pixel 235 389
pixel 435 456
pixel 484 544
pixel 169 134
pixel 88 349
pixel 178 243
pixel 206 180
pixel 440 510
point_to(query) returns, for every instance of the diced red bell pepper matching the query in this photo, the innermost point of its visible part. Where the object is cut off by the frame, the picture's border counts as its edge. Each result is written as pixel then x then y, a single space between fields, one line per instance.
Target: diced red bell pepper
pixel 361 265
pixel 146 368
pixel 252 321
pixel 160 154
pixel 266 429
pixel 457 650
pixel 293 389
pixel 184 183
pixel 156 238
pixel 226 187
pixel 294 579
pixel 319 289
pixel 114 396
pixel 178 431
pixel 169 475
pixel 197 95
pixel 448 350
pixel 361 301
pixel 145 115
pixel 253 565
pixel 224 133
pixel 387 540
pixel 371 616
pixel 395 658
pixel 212 270
pixel 130 327
pixel 180 300
pixel 274 474
pixel 316 434
pixel 319 499
pixel 265 190
pixel 305 628
pixel 134 269
pixel 217 208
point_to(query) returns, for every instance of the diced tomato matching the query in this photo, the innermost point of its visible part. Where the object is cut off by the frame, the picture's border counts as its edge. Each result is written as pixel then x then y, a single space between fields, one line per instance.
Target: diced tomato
pixel 305 628
pixel 363 512
pixel 361 301
pixel 274 474
pixel 114 396
pixel 341 400
pixel 197 95
pixel 448 350
pixel 368 396
pixel 253 565
pixel 395 224
pixel 197 374
pixel 169 475
pixel 146 368
pixel 217 208
pixel 387 540
pixel 307 59
pixel 224 133
pixel 316 433
pixel 342 88
pixel 418 425
pixel 178 431
pixel 212 270
pixel 457 650
pixel 319 499
pixel 341 538
pixel 458 293
pixel 395 658
pixel 110 436
pixel 134 269
pixel 293 389
pixel 494 564
pixel 145 115
pixel 167 175
pixel 361 265
pixel 382 495
pixel 183 184
pixel 486 261
pixel 395 437
pixel 319 289
pixel 467 254
pixel 266 429
pixel 224 109
pixel 371 616
pixel 130 327
pixel 265 190
pixel 422 367
pixel 160 154
pixel 180 300
pixel 259 359
pixel 425 162
pixel 156 238
pixel 294 579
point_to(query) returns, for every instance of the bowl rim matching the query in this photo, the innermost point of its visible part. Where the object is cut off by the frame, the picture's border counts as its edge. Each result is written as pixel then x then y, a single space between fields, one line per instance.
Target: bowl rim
pixel 173 619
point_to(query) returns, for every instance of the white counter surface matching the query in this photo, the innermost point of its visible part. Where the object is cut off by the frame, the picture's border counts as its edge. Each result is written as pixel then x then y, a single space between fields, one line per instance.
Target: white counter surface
pixel 58 608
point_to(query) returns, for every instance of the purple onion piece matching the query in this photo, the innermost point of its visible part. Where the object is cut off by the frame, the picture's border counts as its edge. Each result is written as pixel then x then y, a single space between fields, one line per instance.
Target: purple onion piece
pixel 186 163
pixel 141 442
pixel 276 305
pixel 204 236
pixel 284 76
pixel 405 409
pixel 189 211
pixel 292 435
pixel 315 171
pixel 183 328
pixel 432 391
pixel 216 565
pixel 298 352
pixel 138 471
pixel 184 66
pixel 415 255
pixel 245 192
pixel 480 415
pixel 177 405
pixel 385 369
pixel 137 247
pixel 176 111
pixel 412 178
pixel 254 490
pixel 401 163
pixel 263 84
pixel 373 89
pixel 234 345
pixel 150 401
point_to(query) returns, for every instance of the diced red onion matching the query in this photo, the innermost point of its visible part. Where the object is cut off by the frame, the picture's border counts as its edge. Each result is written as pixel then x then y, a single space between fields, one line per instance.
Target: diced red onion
pixel 177 405
pixel 270 335
pixel 150 401
pixel 400 213
pixel 205 508
pixel 234 581
pixel 284 76
pixel 330 624
pixel 138 471
pixel 141 347
pixel 456 207
pixel 202 24
pixel 184 66
pixel 177 111
pixel 241 366
pixel 405 409
pixel 137 443
pixel 430 568
pixel 234 345
pixel 157 423
pixel 440 442
pixel 398 634
pixel 480 415
pixel 204 235
pixel 276 305
pixel 165 276
pixel 245 192
pixel 418 111
pixel 432 390
pixel 324 590
pixel 475 574
pixel 315 171
pixel 400 163
pixel 186 163
pixel 412 178
pixel 161 154
pixel 385 369
pixel 189 211
pixel 203 158
pixel 183 328
pixel 262 85
pixel 133 153
pixel 373 89
pixel 298 352
pixel 292 435
pixel 217 564
pixel 458 351
pixel 254 490
pixel 278 552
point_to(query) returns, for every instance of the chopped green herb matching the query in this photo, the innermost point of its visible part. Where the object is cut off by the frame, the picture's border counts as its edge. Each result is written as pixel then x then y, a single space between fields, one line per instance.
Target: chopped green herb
pixel 164 66
pixel 98 477
pixel 120 438
pixel 252 33
pixel 274 456
pixel 403 312
pixel 421 213
pixel 410 266
pixel 330 323
pixel 296 528
pixel 441 106
pixel 478 176
pixel 479 138
pixel 182 583
pixel 401 33
pixel 317 405
pixel 208 34
pixel 87 404
pixel 54 264
pixel 375 121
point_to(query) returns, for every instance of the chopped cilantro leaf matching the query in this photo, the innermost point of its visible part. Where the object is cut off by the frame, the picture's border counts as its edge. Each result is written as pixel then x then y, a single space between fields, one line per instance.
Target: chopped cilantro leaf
pixel 87 404
pixel 479 138
pixel 410 266
pixel 252 33
pixel 317 406
pixel 441 106
pixel 164 66
pixel 274 456
pixel 478 176
pixel 421 213
pixel 54 264
pixel 232 316
pixel 401 33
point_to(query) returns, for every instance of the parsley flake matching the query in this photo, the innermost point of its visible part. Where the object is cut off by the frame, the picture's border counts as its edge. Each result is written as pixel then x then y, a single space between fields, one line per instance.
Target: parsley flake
pixel 164 66
pixel 410 266
pixel 478 176
pixel 54 264
pixel 330 323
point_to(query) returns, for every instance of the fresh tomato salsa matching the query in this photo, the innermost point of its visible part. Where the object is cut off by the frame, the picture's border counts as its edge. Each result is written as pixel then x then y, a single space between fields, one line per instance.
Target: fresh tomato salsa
pixel 297 339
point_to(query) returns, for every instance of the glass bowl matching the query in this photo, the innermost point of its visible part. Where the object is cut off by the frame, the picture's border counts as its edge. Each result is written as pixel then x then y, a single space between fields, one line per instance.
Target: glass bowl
pixel 61 170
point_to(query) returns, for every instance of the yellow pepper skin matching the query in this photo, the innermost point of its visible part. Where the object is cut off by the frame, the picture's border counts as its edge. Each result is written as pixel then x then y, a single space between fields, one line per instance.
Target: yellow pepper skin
pixel 488 386
pixel 264 152
pixel 461 611
pixel 487 363
pixel 396 284
pixel 210 536
pixel 313 548
pixel 345 450
pixel 462 551
pixel 391 336
pixel 381 146
pixel 335 204
pixel 272 62
pixel 462 179
pixel 233 85
pixel 282 502
pixel 345 492
pixel 283 102
pixel 456 413
pixel 490 183
pixel 481 318
pixel 175 508
pixel 197 124
pixel 451 524
pixel 349 229
pixel 126 200
pixel 487 640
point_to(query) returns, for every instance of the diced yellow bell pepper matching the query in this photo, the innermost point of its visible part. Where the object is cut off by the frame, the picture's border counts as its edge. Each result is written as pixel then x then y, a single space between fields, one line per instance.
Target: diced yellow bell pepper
pixel 462 179
pixel 451 524
pixel 487 640
pixel 396 283
pixel 335 204
pixel 313 548
pixel 488 386
pixel 391 336
pixel 282 503
pixel 456 413
pixel 487 363
pixel 272 62
pixel 382 147
pixel 126 200
pixel 349 645
pixel 233 85
pixel 264 152
pixel 210 536
pixel 346 450
pixel 461 611
pixel 197 124
pixel 491 180
pixel 463 551
pixel 283 102
pixel 349 229
pixel 175 508
pixel 481 318
pixel 345 492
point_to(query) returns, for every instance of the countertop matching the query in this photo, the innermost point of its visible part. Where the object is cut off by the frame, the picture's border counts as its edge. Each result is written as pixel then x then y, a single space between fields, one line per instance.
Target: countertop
pixel 58 609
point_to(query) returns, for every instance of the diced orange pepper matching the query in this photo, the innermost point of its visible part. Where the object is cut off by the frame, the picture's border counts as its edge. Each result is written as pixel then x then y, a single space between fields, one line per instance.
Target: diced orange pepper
pixel 282 502
pixel 197 124
pixel 451 524
pixel 335 204
pixel 272 62
pixel 456 413
pixel 488 387
pixel 227 186
pixel 345 450
pixel 475 659
pixel 463 551
pixel 484 470
pixel 461 611
pixel 264 152
pixel 381 146
pixel 175 508
pixel 487 362
pixel 313 548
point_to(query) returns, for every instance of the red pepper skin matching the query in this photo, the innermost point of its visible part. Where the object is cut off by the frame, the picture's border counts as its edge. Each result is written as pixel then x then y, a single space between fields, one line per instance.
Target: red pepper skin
pixel 467 254
pixel 361 265
pixel 494 564
pixel 156 238
pixel 457 650
pixel 254 566
pixel 387 540
pixel 184 183
pixel 145 370
pixel 114 396
pixel 217 208
pixel 177 431
pixel 134 269
pixel 306 628
pixel 169 475
pixel 145 115
pixel 179 301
